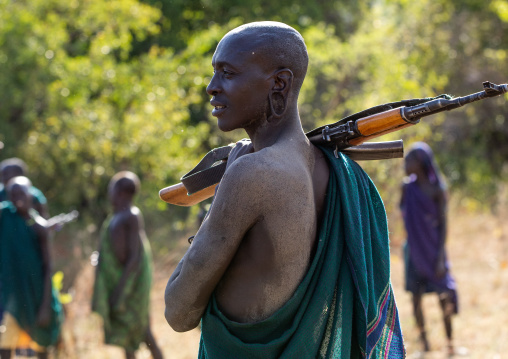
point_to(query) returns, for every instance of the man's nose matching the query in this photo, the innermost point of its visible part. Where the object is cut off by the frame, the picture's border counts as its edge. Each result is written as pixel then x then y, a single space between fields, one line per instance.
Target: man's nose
pixel 213 87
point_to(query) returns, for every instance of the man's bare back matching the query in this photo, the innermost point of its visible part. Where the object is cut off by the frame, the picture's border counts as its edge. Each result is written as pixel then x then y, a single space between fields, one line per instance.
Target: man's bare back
pixel 276 251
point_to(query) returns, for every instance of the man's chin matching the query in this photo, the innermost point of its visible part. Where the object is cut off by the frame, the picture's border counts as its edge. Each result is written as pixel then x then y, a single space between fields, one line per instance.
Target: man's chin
pixel 225 127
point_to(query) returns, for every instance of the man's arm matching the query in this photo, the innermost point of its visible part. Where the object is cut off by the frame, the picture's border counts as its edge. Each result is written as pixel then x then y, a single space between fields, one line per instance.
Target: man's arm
pixel 42 209
pixel 236 207
pixel 130 237
pixel 39 202
pixel 44 312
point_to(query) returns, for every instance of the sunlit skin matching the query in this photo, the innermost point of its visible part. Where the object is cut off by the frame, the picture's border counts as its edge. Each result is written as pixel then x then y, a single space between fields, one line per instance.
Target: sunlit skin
pixel 127 233
pixel 255 245
pixel 413 166
pixel 18 194
pixel 239 86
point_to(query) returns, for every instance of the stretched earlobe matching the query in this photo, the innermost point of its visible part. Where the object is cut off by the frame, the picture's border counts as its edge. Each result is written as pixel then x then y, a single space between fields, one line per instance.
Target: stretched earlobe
pixel 278 97
pixel 278 105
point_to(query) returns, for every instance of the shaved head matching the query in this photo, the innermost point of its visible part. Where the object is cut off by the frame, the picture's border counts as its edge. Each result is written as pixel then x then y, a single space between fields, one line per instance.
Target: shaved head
pixel 18 190
pixel 11 168
pixel 20 181
pixel 126 181
pixel 279 44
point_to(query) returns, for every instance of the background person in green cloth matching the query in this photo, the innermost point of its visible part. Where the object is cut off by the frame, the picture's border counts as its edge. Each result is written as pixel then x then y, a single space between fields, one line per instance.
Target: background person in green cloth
pixel 124 272
pixel 13 167
pixel 284 265
pixel 10 168
pixel 29 300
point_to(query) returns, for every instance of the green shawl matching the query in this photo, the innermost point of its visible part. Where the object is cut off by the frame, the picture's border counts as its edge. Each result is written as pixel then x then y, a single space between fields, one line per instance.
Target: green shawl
pixel 125 324
pixel 344 307
pixel 22 277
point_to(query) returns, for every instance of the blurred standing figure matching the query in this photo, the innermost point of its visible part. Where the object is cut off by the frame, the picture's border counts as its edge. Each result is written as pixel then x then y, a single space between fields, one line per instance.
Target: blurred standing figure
pixel 124 272
pixel 423 206
pixel 13 167
pixel 31 303
pixel 9 169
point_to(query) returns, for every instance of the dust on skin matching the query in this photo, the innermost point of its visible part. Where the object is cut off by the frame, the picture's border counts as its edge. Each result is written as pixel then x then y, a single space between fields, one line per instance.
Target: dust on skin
pixel 255 245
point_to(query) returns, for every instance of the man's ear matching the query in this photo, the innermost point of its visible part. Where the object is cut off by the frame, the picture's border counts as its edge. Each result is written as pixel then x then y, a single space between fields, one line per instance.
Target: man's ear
pixel 279 95
pixel 283 80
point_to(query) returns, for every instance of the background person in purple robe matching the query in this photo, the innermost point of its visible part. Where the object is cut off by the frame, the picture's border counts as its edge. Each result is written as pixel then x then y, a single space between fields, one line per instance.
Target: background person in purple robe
pixel 423 206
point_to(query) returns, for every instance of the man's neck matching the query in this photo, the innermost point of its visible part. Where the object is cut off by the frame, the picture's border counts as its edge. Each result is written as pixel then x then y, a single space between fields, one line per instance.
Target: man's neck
pixel 271 132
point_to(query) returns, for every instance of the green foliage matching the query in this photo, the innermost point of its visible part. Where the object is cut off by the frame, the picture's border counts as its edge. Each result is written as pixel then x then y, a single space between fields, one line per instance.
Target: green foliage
pixel 91 87
pixel 183 18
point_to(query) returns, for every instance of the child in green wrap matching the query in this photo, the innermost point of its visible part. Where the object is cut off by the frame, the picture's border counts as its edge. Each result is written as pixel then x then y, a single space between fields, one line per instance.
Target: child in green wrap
pixel 124 271
pixel 31 303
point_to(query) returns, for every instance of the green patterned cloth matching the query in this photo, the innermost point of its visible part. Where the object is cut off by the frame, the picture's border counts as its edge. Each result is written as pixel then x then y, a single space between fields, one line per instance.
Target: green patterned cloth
pixel 22 277
pixel 125 325
pixel 344 307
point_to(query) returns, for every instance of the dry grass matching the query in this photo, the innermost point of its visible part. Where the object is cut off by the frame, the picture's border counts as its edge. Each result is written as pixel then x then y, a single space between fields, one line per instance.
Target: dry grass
pixel 478 251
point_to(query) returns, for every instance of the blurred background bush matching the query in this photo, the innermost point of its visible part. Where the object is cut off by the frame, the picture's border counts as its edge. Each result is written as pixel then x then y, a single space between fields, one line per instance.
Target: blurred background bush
pixel 92 87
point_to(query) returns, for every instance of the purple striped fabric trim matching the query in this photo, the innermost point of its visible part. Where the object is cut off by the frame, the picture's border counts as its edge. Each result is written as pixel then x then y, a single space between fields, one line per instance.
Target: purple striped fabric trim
pixel 380 311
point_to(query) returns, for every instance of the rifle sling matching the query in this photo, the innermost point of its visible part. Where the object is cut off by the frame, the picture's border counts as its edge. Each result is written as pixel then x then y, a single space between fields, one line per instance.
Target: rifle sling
pixel 209 170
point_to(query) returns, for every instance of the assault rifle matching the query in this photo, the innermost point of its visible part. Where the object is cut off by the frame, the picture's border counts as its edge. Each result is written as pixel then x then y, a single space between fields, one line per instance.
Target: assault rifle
pixel 347 136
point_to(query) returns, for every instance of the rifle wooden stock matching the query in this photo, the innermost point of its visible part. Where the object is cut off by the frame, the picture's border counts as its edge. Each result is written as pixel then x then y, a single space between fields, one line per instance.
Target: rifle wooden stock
pixel 177 194
pixel 379 124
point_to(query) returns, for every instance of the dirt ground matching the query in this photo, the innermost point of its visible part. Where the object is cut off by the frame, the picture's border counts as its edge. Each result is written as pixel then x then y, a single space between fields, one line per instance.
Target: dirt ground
pixel 478 251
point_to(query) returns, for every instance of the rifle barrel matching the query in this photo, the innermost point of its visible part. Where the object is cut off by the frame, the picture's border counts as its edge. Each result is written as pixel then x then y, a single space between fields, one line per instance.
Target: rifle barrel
pixel 414 113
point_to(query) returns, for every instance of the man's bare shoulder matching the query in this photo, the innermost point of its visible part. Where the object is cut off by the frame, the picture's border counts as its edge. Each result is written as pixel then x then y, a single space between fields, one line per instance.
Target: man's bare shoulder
pixel 131 214
pixel 263 167
pixel 268 181
pixel 127 219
